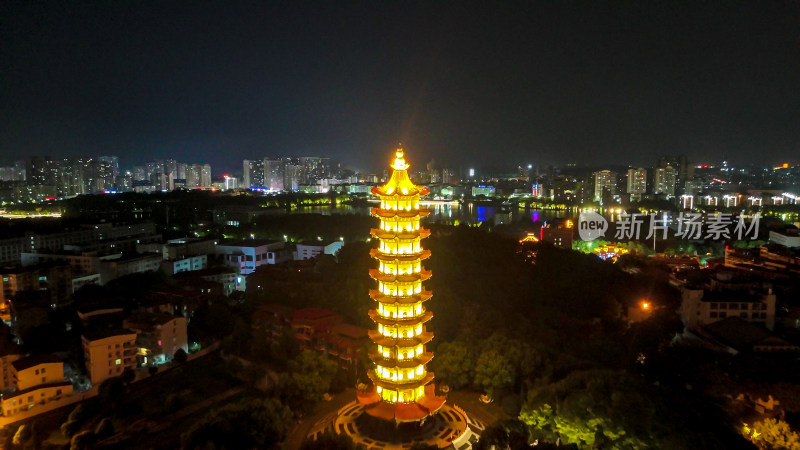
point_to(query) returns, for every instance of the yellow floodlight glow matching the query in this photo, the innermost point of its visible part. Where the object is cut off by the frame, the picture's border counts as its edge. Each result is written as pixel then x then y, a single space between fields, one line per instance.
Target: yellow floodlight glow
pixel 399 313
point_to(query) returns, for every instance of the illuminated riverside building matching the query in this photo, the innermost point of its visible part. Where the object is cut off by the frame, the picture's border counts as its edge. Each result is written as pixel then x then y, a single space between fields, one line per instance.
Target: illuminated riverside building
pixel 402 388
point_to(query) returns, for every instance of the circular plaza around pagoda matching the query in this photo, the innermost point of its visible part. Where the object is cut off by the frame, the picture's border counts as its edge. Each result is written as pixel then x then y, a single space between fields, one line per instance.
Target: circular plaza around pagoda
pixel 451 427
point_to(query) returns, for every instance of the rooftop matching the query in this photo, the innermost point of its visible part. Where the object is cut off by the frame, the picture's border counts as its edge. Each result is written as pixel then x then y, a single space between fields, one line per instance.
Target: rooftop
pixel 275 309
pixel 149 319
pixel 135 256
pixel 742 296
pixel 350 331
pixel 251 243
pixel 102 333
pixel 31 361
pixel 205 272
pixel 737 333
pixel 318 243
pixel 312 314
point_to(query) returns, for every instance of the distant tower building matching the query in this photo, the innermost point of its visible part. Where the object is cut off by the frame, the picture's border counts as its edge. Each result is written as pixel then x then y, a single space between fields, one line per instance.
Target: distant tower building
pixel 680 164
pixel 292 176
pixel 402 388
pixel 152 168
pixel 181 173
pixel 314 169
pixel 637 183
pixel 138 173
pixel 231 182
pixel 693 187
pixel 193 176
pixel 604 181
pixel 205 176
pixel 449 176
pixel 113 162
pixel 273 173
pixel 253 173
pixel 664 181
pixel 246 168
pixel 38 171
pixel 19 169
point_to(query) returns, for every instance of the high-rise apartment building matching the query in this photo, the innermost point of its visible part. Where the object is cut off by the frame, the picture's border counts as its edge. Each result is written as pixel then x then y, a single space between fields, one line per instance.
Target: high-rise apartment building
pixel 13 173
pixel 292 176
pixel 637 182
pixel 112 161
pixel 680 164
pixel 253 173
pixel 605 181
pixel 38 171
pixel 274 169
pixel 664 180
pixel 205 176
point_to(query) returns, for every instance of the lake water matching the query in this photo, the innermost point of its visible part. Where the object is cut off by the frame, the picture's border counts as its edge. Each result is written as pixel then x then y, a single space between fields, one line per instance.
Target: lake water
pixel 452 213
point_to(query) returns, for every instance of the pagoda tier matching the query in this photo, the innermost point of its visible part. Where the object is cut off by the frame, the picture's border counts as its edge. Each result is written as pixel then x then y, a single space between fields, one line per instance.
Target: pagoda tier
pixel 380 297
pixel 390 213
pixel 379 359
pixel 389 341
pixel 402 277
pixel 387 235
pixel 402 387
pixel 389 257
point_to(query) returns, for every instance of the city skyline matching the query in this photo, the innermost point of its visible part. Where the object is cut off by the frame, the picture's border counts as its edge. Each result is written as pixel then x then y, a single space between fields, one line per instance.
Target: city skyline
pixel 549 83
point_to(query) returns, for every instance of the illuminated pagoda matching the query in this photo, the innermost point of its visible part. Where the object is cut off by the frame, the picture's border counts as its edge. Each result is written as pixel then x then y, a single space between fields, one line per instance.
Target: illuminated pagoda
pixel 402 388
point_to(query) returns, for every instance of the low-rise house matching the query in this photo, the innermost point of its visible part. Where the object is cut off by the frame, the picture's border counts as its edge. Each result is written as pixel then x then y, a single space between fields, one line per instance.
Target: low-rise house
pixel 307 322
pixel 9 352
pixel 343 341
pixel 227 277
pixel 186 264
pixel 271 321
pixel 308 250
pixel 38 380
pixel 159 336
pixel 315 329
pixel 726 296
pixel 108 352
pixel 735 335
pixel 249 255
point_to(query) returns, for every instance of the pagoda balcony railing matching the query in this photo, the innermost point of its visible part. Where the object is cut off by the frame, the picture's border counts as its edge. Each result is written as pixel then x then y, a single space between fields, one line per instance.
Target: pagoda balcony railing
pixel 400 299
pixel 403 234
pixel 404 278
pixel 406 363
pixel 400 321
pixel 388 341
pixel 400 384
pixel 419 190
pixel 389 213
pixel 399 257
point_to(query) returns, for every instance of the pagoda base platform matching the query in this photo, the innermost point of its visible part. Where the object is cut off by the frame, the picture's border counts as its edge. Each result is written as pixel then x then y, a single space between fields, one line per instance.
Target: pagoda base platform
pixel 416 411
pixel 450 428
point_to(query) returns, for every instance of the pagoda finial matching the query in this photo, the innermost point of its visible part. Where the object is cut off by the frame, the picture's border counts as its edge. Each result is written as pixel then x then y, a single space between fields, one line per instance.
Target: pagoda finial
pixel 399 160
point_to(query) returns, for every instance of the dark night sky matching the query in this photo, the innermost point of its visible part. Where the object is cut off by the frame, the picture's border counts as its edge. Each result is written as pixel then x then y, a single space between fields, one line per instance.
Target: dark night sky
pixel 492 85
